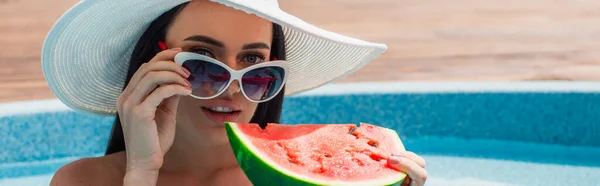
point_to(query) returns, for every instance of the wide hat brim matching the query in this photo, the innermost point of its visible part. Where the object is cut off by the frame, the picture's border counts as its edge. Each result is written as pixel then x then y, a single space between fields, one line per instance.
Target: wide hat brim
pixel 85 56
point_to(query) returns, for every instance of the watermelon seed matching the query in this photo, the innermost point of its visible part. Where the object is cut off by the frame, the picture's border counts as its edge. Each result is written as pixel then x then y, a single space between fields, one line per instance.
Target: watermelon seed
pixel 352 130
pixel 373 143
pixel 327 155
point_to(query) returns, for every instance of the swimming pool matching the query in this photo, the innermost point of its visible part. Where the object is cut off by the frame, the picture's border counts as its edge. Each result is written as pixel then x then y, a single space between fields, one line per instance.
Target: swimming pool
pixel 484 133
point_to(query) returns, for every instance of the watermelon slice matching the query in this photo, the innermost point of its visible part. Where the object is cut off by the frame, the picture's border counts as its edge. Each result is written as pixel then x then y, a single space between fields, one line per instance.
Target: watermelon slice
pixel 316 154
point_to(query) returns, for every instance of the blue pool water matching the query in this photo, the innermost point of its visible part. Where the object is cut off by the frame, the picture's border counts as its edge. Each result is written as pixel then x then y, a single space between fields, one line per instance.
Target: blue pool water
pixel 469 133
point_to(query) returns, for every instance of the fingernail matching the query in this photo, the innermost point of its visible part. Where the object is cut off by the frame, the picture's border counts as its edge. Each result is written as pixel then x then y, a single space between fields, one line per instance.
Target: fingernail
pixel 394 160
pixel 175 49
pixel 188 83
pixel 398 154
pixel 187 72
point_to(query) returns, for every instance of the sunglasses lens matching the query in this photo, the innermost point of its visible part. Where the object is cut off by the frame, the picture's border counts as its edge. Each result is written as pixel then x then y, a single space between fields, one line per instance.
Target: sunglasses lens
pixel 207 78
pixel 262 83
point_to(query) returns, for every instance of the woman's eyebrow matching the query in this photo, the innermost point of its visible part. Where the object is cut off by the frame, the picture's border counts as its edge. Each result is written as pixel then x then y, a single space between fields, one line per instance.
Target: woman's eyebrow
pixel 255 46
pixel 220 44
pixel 205 39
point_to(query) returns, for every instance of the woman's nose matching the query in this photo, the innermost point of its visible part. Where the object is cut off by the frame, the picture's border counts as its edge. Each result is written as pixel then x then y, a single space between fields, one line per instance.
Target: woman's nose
pixel 232 63
pixel 233 88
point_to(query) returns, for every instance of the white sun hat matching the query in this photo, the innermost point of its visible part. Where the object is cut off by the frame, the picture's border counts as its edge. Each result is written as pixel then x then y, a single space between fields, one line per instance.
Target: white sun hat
pixel 86 54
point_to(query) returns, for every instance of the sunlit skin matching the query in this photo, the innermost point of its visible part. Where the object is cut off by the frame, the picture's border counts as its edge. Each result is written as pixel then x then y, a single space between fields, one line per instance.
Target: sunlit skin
pixel 200 144
pixel 194 129
pixel 199 153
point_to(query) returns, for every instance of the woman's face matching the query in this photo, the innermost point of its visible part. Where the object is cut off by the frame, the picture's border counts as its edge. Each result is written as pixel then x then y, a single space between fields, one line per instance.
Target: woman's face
pixel 233 37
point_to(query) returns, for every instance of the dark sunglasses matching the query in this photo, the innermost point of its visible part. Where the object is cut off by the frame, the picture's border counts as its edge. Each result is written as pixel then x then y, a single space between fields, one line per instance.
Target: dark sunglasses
pixel 210 78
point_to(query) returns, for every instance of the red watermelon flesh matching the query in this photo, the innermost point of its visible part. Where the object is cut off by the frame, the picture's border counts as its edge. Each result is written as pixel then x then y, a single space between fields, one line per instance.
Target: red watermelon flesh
pixel 327 152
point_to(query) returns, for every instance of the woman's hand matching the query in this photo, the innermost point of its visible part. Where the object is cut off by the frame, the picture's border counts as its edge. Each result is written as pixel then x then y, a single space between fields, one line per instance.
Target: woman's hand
pixel 147 109
pixel 413 165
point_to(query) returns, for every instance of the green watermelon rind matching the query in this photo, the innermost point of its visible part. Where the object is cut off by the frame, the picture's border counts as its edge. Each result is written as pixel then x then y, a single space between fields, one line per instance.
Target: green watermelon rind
pixel 262 171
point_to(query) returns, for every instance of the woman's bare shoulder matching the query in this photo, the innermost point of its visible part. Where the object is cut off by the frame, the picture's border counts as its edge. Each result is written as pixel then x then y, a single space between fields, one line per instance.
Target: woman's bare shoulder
pixel 105 170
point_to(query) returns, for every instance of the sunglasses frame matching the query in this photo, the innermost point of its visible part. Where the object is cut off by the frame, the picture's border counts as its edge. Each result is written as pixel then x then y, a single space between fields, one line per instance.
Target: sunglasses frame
pixel 182 57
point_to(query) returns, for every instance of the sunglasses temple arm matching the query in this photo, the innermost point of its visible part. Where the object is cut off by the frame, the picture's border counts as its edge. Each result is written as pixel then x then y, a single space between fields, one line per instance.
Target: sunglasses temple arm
pixel 162 45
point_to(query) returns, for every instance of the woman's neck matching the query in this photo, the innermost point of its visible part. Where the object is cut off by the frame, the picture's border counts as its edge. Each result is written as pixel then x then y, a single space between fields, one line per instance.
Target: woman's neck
pixel 201 155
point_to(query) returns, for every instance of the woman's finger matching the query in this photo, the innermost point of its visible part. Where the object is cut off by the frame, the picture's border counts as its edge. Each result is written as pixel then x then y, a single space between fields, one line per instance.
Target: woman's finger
pixel 412 156
pixel 151 81
pixel 406 181
pixel 150 67
pixel 166 55
pixel 417 174
pixel 157 96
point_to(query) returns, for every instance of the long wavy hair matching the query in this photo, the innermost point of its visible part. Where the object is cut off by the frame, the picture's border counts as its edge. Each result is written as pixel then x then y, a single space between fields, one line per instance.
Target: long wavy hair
pixel 147 47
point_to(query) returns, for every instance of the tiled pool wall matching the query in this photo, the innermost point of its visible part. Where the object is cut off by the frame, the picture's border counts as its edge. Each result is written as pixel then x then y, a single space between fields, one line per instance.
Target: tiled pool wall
pixel 526 112
pixel 556 118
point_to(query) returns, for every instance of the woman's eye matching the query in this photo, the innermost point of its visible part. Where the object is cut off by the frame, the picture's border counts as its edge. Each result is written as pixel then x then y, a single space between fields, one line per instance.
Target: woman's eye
pixel 202 51
pixel 253 58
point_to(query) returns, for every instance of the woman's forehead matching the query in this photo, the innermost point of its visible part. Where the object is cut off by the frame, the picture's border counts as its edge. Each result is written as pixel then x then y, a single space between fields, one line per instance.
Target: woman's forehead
pixel 219 22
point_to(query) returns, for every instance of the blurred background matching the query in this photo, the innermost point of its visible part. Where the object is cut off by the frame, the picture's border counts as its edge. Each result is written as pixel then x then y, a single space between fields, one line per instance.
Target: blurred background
pixel 428 40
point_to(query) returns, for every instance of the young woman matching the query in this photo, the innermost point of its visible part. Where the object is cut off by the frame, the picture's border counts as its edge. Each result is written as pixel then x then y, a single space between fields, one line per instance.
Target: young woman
pixel 117 57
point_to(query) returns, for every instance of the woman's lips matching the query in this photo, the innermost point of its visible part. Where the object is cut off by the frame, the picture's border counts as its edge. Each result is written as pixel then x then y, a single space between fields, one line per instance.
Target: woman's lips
pixel 221 118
